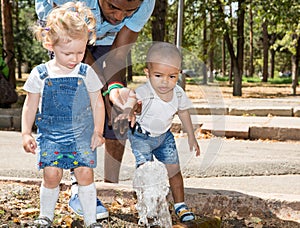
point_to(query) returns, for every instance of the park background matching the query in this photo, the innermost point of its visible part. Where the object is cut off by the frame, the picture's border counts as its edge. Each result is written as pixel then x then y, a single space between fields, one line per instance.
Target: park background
pixel 237 42
pixel 249 49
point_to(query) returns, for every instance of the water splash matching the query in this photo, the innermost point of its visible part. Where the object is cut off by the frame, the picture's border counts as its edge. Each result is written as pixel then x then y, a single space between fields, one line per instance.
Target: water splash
pixel 150 183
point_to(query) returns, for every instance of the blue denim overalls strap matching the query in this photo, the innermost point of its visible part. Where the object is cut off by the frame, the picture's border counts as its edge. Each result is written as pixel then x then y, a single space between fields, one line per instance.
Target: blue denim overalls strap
pixel 65 122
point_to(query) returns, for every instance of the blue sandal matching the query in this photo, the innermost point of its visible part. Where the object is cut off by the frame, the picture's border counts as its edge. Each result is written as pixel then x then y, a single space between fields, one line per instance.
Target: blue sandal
pixel 184 214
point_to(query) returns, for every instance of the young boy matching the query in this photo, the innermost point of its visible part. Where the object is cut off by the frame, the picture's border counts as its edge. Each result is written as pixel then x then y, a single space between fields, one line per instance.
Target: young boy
pixel 161 99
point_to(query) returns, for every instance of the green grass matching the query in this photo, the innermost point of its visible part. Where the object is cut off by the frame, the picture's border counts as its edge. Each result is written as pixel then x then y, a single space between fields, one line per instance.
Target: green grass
pixel 276 80
pixel 280 80
pixel 193 80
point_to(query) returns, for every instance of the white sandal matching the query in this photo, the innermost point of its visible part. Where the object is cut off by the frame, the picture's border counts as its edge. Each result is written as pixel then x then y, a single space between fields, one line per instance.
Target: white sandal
pixel 95 225
pixel 42 222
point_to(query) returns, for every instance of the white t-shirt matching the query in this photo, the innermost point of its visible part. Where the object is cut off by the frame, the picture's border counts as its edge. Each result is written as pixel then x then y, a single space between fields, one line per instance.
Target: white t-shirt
pixel 157 115
pixel 34 84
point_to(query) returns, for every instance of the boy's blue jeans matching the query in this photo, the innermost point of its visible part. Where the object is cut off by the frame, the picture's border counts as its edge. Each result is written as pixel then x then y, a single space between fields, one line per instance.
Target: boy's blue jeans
pixel 145 147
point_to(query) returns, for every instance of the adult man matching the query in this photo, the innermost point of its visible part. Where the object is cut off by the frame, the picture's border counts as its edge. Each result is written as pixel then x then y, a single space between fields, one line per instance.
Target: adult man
pixel 118 25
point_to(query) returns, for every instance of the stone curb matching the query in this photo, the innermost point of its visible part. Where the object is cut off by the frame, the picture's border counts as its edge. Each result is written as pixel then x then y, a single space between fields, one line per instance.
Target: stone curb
pixel 10 118
pixel 205 109
pixel 245 127
pixel 211 122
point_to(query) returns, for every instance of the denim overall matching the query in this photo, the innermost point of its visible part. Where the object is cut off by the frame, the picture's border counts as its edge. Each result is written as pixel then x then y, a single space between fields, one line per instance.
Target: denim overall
pixel 65 122
pixel 146 146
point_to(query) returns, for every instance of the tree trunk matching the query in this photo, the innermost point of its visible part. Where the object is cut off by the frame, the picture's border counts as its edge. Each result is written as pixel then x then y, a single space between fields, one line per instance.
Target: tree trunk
pixel 238 73
pixel 272 62
pixel 237 69
pixel 204 82
pixel 265 52
pixel 19 49
pixel 211 49
pixel 159 20
pixel 295 67
pixel 231 37
pixel 234 62
pixel 272 41
pixel 251 65
pixel 223 57
pixel 8 39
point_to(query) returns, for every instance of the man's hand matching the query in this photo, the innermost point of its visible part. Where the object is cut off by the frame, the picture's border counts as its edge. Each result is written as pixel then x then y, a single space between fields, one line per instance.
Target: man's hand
pixel 125 108
pixel 123 98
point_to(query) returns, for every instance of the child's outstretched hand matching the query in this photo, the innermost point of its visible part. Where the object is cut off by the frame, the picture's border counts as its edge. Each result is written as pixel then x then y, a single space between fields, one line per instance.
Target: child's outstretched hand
pixel 97 140
pixel 29 143
pixel 194 145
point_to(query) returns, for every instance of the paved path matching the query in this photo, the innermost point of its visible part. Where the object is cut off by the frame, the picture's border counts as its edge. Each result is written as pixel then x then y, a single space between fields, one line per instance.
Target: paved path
pixel 269 169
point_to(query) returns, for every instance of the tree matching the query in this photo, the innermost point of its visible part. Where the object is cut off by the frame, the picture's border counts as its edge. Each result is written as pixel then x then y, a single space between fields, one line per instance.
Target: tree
pixel 265 51
pixel 238 58
pixel 8 39
pixel 204 42
pixel 211 47
pixel 295 63
pixel 159 20
pixel 251 52
pixel 283 28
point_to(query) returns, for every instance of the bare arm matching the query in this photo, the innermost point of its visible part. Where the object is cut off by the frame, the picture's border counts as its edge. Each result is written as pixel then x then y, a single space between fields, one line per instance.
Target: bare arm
pixel 115 69
pixel 185 118
pixel 99 117
pixel 28 116
pixel 115 66
pixel 116 60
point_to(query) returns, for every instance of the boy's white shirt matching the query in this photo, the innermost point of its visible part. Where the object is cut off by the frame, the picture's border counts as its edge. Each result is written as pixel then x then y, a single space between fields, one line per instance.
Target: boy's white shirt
pixel 34 84
pixel 157 117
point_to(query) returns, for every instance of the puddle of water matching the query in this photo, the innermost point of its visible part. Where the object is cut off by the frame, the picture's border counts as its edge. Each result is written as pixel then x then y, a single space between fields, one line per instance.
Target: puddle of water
pixel 150 183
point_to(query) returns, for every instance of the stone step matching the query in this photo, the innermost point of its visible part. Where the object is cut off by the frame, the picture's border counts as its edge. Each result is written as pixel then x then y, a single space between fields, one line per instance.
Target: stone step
pixel 245 127
pixel 206 109
pixel 10 118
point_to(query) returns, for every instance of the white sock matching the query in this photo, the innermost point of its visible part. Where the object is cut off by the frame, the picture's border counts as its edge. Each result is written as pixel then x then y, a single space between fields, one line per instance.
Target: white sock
pixel 48 199
pixel 176 205
pixel 87 195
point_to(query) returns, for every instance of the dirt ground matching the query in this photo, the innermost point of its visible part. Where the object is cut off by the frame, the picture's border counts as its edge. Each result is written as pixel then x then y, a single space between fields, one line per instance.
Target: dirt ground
pixel 249 90
pixel 19 206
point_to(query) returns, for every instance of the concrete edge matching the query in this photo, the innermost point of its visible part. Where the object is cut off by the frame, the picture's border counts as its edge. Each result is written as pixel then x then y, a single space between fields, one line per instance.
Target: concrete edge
pixel 243 130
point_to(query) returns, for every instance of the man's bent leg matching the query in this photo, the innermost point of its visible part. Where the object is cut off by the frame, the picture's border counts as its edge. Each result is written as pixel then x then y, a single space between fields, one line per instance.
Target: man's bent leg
pixel 114 150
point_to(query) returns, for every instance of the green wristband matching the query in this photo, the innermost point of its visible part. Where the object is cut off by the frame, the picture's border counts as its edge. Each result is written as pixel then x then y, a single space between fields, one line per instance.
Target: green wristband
pixel 111 87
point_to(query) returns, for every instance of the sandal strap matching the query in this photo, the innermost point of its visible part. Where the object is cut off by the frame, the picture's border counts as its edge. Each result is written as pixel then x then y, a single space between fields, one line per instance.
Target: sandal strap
pixel 183 211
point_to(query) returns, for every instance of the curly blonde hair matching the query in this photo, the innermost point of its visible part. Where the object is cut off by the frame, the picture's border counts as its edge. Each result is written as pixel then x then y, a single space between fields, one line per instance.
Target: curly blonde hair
pixel 69 21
